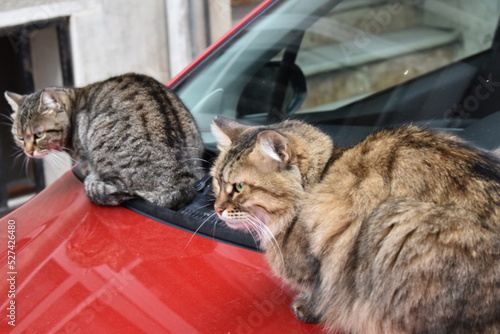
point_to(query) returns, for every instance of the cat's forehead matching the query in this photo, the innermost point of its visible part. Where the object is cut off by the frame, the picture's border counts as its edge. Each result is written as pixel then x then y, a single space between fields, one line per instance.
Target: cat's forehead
pixel 232 164
pixel 24 121
pixel 226 171
pixel 28 109
pixel 232 160
pixel 30 102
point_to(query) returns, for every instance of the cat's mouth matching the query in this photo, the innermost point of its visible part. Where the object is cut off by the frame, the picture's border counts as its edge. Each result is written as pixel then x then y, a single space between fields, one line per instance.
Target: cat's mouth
pixel 244 220
pixel 39 154
pixel 232 222
pixel 42 153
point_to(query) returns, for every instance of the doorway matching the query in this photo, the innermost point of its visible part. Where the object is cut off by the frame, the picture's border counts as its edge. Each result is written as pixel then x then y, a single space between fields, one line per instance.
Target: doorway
pixel 33 56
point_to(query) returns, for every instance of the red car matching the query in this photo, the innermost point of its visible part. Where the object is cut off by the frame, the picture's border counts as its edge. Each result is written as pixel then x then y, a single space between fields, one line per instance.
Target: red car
pixel 349 67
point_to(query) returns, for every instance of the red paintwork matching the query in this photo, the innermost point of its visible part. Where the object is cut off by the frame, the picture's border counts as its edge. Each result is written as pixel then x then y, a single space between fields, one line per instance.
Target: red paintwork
pixel 243 22
pixel 81 268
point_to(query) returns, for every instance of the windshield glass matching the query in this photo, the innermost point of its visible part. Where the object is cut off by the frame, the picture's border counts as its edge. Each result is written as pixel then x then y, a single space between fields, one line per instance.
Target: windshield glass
pixel 353 67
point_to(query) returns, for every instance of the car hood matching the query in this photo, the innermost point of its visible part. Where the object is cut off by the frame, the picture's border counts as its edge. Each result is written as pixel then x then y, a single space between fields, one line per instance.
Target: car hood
pixel 80 268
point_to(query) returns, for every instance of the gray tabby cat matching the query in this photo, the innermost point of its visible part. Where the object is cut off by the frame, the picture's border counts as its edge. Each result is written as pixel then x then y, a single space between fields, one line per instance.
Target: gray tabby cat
pixel 398 234
pixel 134 136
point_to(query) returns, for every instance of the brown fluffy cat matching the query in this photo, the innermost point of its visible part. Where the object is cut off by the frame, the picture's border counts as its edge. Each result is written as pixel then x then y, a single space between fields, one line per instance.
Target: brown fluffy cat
pixel 398 234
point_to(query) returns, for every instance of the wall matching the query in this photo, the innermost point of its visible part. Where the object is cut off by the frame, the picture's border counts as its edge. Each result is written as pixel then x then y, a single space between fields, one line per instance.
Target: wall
pixel 111 37
pixel 114 36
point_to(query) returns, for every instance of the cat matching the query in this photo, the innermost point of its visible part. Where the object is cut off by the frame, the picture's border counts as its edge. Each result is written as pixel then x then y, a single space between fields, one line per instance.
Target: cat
pixel 133 135
pixel 397 234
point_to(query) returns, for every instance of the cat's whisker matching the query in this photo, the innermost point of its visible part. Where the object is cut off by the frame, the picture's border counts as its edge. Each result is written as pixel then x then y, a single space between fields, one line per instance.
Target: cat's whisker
pixel 68 153
pixel 199 227
pixel 26 165
pixel 59 154
pixel 214 227
pixel 270 236
pixel 57 160
pixel 203 206
pixel 7 118
pixel 50 159
pixel 16 154
pixel 253 231
pixel 6 124
pixel 67 150
pixel 196 159
pixel 192 148
pixel 19 160
pixel 256 229
pixel 190 161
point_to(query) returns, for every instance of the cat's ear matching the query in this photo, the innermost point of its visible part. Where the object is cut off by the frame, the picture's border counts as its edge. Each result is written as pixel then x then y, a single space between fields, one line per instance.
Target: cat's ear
pixel 274 147
pixel 226 131
pixel 49 101
pixel 14 100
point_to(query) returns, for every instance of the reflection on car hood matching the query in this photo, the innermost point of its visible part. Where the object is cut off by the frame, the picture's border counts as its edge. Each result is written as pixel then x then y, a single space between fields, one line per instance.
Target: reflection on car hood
pixel 81 268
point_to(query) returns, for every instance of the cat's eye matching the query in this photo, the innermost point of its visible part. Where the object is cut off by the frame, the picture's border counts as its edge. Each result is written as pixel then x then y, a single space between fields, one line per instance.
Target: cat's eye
pixel 239 186
pixel 20 138
pixel 39 135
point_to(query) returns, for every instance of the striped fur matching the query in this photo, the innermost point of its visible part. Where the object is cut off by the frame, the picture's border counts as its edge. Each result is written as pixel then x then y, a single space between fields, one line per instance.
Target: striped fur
pixel 398 234
pixel 134 134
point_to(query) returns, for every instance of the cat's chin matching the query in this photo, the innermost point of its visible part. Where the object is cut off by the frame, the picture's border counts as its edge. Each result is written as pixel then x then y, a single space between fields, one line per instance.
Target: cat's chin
pixel 42 154
pixel 37 155
pixel 236 225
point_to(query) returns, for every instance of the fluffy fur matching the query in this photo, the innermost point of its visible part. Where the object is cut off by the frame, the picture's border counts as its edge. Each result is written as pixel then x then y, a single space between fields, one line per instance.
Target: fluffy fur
pixel 398 234
pixel 134 135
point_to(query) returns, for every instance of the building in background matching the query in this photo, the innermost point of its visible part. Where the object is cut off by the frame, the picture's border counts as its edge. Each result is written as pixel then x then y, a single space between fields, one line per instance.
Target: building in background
pixel 76 42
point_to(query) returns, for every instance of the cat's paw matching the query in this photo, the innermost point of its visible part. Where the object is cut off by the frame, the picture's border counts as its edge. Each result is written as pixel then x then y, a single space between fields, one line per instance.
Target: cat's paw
pixel 103 193
pixel 303 310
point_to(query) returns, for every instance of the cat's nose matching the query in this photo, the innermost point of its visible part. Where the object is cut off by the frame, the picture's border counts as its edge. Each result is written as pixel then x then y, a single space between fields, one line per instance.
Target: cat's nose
pixel 29 149
pixel 219 209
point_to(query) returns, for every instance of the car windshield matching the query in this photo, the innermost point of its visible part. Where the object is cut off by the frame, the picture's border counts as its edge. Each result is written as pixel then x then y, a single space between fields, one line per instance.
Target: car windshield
pixel 350 68
pixel 353 67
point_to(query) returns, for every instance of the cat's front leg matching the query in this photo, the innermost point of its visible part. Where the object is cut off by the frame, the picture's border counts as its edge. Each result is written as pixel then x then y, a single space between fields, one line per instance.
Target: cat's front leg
pixel 304 309
pixel 104 193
